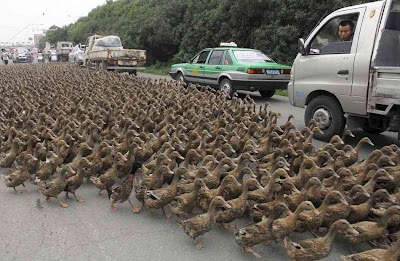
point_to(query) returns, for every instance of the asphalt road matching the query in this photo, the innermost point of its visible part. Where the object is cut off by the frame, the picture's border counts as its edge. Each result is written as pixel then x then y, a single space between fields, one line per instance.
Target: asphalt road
pixel 33 229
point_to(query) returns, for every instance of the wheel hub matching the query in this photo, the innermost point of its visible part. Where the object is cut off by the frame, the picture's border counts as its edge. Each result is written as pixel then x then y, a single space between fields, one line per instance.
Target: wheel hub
pixel 323 118
pixel 226 88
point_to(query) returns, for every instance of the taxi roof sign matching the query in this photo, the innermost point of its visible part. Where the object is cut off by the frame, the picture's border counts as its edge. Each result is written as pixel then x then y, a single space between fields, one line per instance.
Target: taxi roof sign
pixel 231 44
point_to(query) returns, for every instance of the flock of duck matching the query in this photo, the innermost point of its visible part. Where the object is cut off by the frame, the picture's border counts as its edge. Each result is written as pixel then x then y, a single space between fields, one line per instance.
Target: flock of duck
pixel 208 158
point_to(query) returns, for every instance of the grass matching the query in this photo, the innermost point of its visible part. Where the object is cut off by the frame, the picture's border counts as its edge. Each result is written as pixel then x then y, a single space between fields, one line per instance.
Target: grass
pixel 158 69
pixel 282 93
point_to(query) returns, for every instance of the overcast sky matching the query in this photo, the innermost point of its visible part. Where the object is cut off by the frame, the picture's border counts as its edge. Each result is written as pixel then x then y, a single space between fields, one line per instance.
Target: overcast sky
pixel 36 15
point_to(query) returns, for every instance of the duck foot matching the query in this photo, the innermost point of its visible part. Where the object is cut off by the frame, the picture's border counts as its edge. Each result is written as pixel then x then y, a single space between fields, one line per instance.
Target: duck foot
pixel 251 251
pixel 198 245
pixel 64 205
pixel 80 200
pixel 134 209
pixel 228 226
pixel 165 214
pixel 67 196
pixel 112 207
pixel 47 198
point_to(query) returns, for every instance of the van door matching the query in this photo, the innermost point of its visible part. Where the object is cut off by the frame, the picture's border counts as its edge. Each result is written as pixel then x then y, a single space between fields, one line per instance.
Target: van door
pixel 331 53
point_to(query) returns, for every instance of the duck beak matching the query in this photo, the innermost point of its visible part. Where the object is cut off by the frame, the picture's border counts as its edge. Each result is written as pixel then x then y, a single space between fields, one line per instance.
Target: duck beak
pixel 286 168
pixel 181 158
pixel 392 200
pixel 353 232
pixel 370 143
pixel 226 205
pixel 344 202
pixel 352 135
pixel 144 169
pixel 392 163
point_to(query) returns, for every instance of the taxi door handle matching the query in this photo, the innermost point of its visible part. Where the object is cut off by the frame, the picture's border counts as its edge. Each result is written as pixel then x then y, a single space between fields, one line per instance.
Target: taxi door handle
pixel 218 67
pixel 201 67
pixel 343 72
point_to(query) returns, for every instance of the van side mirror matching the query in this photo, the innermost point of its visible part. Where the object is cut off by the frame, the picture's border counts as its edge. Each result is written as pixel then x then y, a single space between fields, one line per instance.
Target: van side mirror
pixel 302 47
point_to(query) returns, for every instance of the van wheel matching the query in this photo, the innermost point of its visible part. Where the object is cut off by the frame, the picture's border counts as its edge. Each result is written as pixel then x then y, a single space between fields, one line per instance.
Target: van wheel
pixel 329 116
pixel 373 130
pixel 226 86
pixel 267 94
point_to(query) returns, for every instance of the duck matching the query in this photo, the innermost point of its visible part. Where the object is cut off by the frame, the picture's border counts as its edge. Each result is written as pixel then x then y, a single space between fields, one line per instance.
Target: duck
pixel 391 254
pixel 317 248
pixel 258 233
pixel 150 182
pixel 284 226
pixel 122 193
pixel 238 205
pixel 9 158
pixel 201 224
pixel 56 186
pixel 49 167
pixel 360 212
pixel 353 154
pixel 312 220
pixel 357 195
pixel 206 195
pixel 74 182
pixel 161 197
pixel 340 210
pixel 108 179
pixel 369 230
pixel 183 204
pixel 266 194
pixel 18 177
pixel 370 185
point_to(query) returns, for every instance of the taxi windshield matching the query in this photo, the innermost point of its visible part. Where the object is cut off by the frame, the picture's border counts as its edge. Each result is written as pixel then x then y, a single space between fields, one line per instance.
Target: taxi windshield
pixel 251 56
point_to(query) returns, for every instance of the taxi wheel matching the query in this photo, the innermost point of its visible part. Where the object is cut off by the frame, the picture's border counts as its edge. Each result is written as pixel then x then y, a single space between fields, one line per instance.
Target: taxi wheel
pixel 226 86
pixel 267 94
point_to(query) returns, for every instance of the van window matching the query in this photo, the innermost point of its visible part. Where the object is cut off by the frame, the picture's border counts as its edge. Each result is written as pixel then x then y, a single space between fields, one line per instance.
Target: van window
pixel 336 37
pixel 216 57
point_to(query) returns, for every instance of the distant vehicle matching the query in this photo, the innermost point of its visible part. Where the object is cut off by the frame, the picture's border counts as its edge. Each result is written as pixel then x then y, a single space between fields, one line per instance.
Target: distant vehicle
pixel 354 81
pixel 20 55
pixel 230 68
pixel 107 53
pixel 40 57
pixel 77 54
pixel 63 50
pixel 53 56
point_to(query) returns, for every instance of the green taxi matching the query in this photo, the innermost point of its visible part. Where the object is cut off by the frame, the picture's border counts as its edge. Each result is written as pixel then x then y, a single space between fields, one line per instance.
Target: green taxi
pixel 230 68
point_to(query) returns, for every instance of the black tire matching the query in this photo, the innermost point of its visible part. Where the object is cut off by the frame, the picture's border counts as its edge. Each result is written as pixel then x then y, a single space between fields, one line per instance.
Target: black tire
pixel 373 130
pixel 334 109
pixel 181 79
pixel 267 94
pixel 226 86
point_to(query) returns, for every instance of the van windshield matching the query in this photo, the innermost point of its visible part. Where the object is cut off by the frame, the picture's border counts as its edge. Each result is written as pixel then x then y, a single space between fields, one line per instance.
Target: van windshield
pixel 251 56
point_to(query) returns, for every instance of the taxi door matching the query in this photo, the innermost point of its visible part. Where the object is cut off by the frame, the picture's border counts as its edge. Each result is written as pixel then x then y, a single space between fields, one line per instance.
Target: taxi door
pixel 195 70
pixel 213 67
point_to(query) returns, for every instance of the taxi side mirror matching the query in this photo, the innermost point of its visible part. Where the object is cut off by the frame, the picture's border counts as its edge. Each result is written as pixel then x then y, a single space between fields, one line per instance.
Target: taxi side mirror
pixel 302 46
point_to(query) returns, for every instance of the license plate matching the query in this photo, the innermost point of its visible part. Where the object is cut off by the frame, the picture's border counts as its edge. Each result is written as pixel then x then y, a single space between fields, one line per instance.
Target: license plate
pixel 273 72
